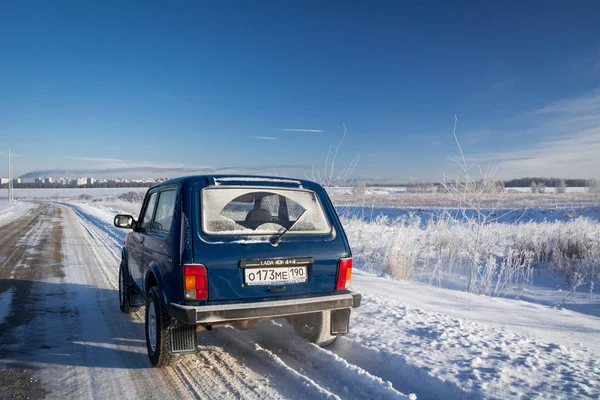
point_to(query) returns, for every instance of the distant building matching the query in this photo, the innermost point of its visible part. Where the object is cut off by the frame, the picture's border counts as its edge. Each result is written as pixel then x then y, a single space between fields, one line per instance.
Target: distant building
pixel 82 181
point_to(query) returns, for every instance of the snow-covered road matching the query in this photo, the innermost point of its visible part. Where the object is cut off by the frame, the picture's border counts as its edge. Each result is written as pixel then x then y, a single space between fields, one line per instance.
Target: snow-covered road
pixel 63 335
pixel 66 338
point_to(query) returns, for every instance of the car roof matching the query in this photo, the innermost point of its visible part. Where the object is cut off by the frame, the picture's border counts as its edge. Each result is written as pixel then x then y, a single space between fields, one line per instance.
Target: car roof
pixel 237 180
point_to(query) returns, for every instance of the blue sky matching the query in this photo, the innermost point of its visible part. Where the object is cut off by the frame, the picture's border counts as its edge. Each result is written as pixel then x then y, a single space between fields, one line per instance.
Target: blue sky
pixel 234 85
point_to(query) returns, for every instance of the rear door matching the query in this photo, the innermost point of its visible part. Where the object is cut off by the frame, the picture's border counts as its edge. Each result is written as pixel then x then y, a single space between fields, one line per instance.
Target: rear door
pixel 137 238
pixel 237 228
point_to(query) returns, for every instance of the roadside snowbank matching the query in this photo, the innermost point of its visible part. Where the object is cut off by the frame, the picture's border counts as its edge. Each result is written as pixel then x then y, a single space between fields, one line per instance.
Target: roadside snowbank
pixel 427 352
pixel 12 211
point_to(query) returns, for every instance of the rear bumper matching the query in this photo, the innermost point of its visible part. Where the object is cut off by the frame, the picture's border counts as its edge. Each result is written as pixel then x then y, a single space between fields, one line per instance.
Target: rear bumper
pixel 264 309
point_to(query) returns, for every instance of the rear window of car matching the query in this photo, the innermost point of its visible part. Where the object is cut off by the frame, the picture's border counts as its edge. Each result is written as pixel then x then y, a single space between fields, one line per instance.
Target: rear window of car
pixel 262 211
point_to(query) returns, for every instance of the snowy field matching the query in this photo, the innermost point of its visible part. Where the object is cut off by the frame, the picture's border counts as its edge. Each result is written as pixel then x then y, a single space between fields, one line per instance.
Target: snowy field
pixel 70 193
pixel 385 190
pixel 510 198
pixel 535 336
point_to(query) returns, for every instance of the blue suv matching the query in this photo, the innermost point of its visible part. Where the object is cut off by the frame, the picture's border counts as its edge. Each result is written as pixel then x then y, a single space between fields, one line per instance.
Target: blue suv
pixel 209 251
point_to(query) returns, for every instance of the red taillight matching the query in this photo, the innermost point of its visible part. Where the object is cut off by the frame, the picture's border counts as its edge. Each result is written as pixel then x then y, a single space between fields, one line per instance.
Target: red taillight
pixel 195 284
pixel 344 274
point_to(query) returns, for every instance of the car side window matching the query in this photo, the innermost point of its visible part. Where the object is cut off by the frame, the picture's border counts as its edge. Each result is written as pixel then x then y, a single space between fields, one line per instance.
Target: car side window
pixel 147 219
pixel 164 211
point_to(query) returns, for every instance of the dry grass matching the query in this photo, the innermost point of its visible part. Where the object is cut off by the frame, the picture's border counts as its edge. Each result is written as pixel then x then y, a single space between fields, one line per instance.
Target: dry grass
pixel 506 255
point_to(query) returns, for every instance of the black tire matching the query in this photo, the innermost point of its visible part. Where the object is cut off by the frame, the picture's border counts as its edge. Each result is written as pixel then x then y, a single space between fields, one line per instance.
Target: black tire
pixel 315 327
pixel 157 338
pixel 124 288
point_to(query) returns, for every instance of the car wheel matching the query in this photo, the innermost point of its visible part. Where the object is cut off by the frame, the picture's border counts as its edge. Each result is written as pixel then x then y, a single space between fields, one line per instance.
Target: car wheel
pixel 157 329
pixel 124 299
pixel 315 327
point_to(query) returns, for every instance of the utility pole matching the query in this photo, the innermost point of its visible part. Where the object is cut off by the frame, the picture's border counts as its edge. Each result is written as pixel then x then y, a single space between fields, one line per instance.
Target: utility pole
pixel 12 183
pixel 8 186
pixel 9 179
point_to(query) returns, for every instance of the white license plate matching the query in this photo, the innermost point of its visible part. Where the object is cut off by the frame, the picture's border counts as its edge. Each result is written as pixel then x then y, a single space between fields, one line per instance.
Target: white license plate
pixel 275 276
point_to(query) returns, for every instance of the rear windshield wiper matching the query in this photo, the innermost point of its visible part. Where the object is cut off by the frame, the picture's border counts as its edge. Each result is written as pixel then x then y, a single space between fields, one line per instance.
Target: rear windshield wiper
pixel 277 238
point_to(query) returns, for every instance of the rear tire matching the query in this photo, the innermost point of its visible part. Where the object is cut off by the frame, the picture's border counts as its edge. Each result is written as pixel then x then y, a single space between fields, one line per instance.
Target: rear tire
pixel 315 327
pixel 124 299
pixel 157 329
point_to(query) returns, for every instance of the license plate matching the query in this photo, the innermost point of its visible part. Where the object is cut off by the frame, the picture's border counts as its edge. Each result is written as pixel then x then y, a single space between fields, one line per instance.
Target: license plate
pixel 275 276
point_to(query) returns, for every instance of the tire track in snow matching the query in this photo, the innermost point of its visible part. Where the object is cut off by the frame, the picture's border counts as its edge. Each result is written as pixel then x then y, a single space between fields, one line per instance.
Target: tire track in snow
pixel 235 348
pixel 317 367
pixel 395 369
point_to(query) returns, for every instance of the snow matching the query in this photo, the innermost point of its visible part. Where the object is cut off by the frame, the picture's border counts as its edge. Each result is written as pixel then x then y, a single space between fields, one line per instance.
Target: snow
pixel 548 189
pixel 439 343
pixel 73 193
pixel 10 212
pixel 423 339
pixel 101 353
pixel 527 317
pixel 407 339
pixel 246 179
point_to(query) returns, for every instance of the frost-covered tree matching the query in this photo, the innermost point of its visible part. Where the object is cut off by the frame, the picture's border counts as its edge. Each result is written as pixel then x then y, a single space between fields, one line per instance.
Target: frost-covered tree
pixel 360 189
pixel 499 186
pixel 534 187
pixel 561 187
pixel 593 186
pixel 541 188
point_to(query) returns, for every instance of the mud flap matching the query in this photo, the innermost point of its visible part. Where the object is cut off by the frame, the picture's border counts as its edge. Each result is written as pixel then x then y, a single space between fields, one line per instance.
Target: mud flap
pixel 340 321
pixel 136 299
pixel 182 338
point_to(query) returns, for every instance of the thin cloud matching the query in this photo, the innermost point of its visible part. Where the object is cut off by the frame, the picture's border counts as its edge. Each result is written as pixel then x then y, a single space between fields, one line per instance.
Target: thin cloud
pixel 573 156
pixel 302 130
pixel 264 137
pixel 589 103
pixel 568 144
pixel 293 170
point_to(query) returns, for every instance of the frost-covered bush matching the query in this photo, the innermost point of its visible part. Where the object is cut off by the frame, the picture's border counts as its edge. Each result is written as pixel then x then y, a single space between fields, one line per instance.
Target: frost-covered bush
pixel 405 250
pixel 504 257
pixel 132 197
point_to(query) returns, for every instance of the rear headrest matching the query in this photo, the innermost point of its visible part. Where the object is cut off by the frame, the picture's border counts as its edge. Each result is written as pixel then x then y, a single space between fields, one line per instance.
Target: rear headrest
pixel 258 215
